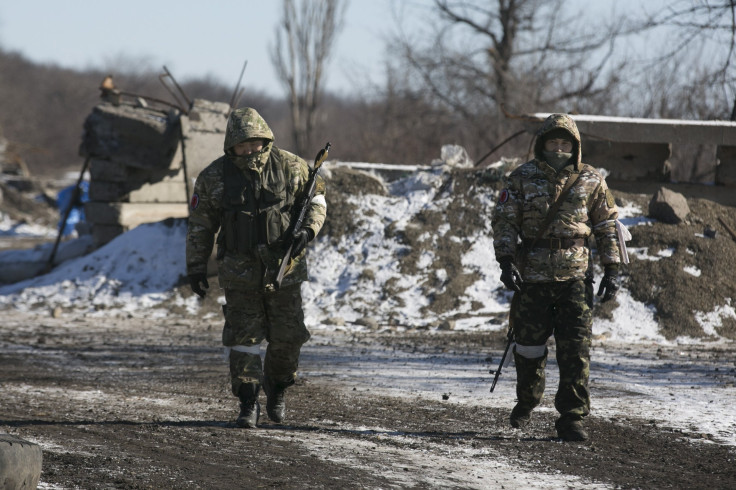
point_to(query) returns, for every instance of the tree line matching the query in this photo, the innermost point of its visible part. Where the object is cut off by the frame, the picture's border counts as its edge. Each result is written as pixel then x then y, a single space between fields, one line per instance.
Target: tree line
pixel 462 79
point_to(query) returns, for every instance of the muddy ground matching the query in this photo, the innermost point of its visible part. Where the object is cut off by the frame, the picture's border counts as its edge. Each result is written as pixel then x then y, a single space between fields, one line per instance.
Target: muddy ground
pixel 129 402
pixel 133 403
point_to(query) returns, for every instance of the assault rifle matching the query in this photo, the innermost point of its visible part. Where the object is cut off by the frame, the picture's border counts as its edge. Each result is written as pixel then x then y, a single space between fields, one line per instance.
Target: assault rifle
pixel 510 336
pixel 304 207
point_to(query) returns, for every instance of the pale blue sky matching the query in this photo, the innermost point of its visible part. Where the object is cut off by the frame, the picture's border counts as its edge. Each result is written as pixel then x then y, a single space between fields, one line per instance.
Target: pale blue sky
pixel 195 38
pixel 192 38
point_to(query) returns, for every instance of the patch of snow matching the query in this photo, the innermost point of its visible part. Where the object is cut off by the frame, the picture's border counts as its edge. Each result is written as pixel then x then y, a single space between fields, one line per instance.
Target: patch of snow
pixel 713 320
pixel 9 228
pixel 692 270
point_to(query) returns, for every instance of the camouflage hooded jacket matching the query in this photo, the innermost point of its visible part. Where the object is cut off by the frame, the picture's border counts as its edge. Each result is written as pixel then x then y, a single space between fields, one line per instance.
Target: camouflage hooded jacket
pixel 248 203
pixel 531 190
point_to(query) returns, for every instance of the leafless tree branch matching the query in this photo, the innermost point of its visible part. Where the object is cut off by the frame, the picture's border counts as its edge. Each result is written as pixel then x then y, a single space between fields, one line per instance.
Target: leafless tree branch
pixel 304 43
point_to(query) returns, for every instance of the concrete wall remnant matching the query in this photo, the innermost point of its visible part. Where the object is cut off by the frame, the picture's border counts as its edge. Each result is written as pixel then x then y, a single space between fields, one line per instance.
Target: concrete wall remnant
pixel 143 161
pixel 668 150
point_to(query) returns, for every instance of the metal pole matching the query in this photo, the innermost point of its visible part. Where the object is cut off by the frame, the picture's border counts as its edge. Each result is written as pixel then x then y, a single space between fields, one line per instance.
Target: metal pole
pixel 237 87
pixel 75 196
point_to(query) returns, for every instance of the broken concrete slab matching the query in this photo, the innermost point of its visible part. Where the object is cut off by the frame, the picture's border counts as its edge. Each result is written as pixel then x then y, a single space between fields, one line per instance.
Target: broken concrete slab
pixel 696 145
pixel 157 192
pixel 628 161
pixel 129 215
pixel 135 136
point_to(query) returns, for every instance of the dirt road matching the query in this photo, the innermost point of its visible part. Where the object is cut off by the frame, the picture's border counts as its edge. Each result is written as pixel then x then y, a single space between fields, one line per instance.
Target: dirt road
pixel 144 403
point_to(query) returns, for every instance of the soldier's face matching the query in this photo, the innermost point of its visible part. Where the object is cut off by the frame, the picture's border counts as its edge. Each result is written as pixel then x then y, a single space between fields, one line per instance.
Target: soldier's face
pixel 247 147
pixel 561 145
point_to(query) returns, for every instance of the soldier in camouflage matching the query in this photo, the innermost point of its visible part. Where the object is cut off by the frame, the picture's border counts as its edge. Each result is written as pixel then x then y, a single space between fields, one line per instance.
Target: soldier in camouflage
pixel 246 198
pixel 546 262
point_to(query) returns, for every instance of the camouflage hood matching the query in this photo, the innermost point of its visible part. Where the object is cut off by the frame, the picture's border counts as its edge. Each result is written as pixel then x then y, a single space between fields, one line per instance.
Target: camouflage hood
pixel 244 124
pixel 559 121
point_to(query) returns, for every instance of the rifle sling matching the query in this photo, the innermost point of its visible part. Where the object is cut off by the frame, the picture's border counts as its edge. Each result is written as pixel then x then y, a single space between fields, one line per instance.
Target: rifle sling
pixel 555 207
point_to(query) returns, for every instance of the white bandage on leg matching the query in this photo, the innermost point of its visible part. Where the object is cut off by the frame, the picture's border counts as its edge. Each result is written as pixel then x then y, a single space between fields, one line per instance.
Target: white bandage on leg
pixel 247 349
pixel 530 351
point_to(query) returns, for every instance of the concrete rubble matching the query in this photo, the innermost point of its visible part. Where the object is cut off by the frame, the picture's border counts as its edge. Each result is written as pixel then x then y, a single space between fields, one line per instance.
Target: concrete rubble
pixel 143 161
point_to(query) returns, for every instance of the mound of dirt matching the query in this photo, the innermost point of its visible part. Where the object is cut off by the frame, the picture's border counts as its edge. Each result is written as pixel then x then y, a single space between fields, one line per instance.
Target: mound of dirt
pixel 678 270
pixel 694 275
pixel 343 182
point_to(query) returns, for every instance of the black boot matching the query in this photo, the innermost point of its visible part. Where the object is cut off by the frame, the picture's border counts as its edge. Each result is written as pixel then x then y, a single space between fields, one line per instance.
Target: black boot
pixel 530 382
pixel 275 405
pixel 520 416
pixel 571 429
pixel 250 409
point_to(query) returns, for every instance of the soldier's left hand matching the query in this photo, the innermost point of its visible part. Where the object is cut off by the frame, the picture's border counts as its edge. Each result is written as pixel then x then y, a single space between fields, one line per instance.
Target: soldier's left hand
pixel 197 282
pixel 301 238
pixel 609 284
pixel 510 276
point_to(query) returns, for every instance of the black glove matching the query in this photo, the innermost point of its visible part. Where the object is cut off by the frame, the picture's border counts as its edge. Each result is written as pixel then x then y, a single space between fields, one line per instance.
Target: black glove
pixel 195 280
pixel 301 238
pixel 609 284
pixel 510 276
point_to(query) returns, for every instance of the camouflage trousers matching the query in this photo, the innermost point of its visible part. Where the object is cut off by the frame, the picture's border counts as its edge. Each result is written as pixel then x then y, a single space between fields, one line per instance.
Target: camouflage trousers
pixel 539 311
pixel 252 317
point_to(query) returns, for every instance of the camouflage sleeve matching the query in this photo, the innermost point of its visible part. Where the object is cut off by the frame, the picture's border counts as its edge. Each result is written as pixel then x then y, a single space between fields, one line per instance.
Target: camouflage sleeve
pixel 603 215
pixel 506 220
pixel 204 220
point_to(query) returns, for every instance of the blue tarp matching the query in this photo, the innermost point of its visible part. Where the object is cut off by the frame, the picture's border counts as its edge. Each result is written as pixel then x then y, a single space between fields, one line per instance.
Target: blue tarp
pixel 76 215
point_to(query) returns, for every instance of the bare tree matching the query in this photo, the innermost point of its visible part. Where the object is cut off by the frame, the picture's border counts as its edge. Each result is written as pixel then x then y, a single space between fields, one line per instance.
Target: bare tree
pixel 698 52
pixel 484 57
pixel 304 42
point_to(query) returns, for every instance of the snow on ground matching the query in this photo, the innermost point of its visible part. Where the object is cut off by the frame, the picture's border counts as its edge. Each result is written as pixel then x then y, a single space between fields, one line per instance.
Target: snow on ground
pixel 10 228
pixel 135 272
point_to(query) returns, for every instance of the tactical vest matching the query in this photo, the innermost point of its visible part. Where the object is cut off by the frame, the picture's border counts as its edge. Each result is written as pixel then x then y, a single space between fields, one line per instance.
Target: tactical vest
pixel 256 208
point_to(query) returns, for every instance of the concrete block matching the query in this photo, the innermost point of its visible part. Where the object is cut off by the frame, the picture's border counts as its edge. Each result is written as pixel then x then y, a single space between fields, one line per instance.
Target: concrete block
pixel 160 192
pixel 201 150
pixel 108 171
pixel 157 192
pixel 134 136
pixel 204 134
pixel 20 463
pixel 693 162
pixel 207 116
pixel 628 161
pixel 642 130
pixel 132 214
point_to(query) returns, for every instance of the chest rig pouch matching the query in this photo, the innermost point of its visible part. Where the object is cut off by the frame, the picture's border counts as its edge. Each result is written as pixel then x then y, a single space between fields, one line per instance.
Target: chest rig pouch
pixel 256 207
